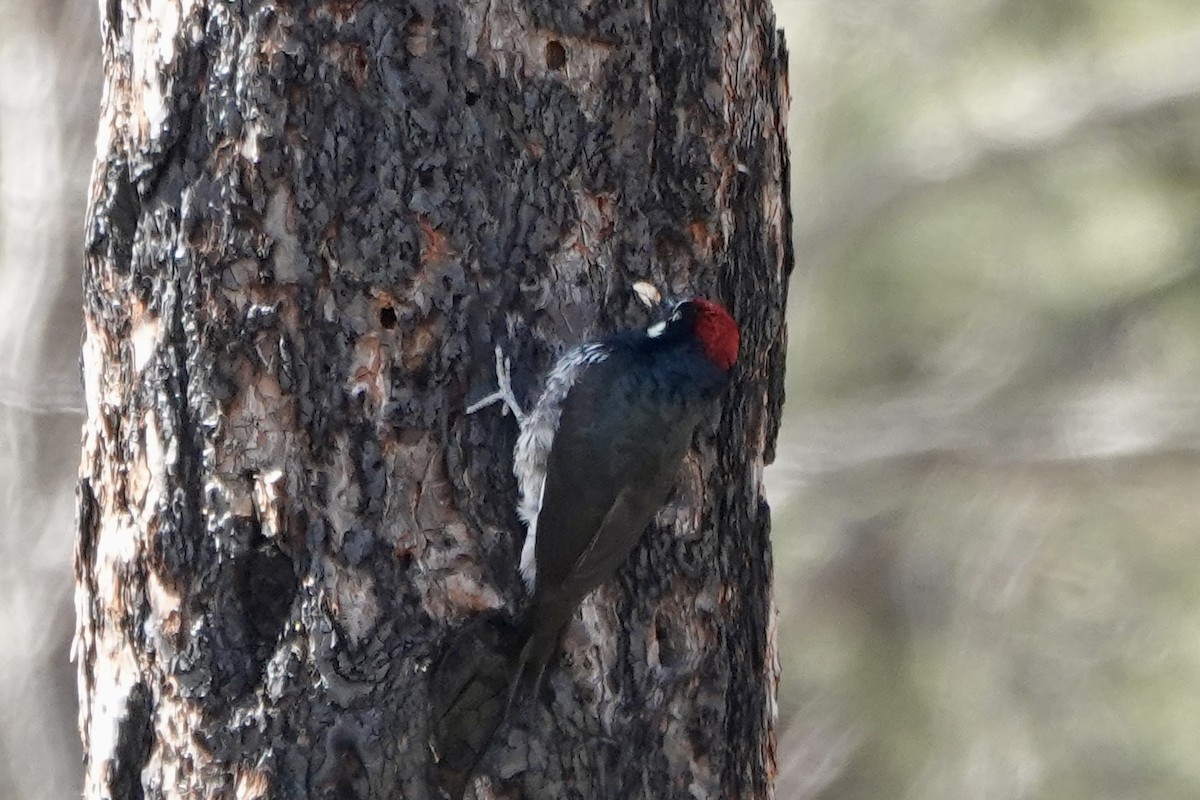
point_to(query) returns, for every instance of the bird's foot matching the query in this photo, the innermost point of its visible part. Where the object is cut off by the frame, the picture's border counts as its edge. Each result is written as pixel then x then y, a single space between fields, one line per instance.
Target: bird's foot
pixel 504 393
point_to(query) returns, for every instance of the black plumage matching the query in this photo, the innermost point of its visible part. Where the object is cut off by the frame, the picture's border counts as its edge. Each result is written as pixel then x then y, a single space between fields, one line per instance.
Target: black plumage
pixel 595 460
pixel 624 428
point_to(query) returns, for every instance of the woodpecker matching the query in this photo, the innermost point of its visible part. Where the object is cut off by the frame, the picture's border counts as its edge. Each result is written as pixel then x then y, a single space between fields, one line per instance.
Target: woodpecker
pixel 594 460
pixel 598 453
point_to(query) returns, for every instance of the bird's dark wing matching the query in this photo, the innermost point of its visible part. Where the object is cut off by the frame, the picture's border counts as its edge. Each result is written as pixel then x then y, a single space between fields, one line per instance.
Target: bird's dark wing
pixel 610 468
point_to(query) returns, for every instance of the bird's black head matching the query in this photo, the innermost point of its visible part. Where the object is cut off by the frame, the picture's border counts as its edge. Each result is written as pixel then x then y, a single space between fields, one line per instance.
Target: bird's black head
pixel 706 324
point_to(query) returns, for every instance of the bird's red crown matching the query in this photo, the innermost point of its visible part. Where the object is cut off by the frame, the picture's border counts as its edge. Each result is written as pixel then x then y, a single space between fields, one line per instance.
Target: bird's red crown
pixel 717 332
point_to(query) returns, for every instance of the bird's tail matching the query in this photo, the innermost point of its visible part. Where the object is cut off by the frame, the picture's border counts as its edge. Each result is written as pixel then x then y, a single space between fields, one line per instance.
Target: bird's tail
pixel 530 667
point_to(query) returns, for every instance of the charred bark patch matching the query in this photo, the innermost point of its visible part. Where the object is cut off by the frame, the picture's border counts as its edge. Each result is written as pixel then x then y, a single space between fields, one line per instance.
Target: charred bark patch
pixel 343 775
pixel 266 585
pixel 135 737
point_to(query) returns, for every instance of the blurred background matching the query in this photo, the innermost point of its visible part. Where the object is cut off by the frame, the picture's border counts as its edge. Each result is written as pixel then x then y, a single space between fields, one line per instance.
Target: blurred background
pixel 987 495
pixel 988 482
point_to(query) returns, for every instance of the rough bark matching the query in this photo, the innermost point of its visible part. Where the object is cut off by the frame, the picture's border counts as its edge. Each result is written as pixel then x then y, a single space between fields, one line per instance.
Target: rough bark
pixel 310 223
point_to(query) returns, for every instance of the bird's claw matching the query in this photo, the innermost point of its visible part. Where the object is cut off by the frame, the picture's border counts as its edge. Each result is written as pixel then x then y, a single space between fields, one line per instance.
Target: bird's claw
pixel 504 393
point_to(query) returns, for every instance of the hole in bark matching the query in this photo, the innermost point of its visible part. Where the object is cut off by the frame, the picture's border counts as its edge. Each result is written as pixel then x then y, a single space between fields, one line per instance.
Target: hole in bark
pixel 387 317
pixel 669 245
pixel 556 54
pixel 472 98
pixel 668 653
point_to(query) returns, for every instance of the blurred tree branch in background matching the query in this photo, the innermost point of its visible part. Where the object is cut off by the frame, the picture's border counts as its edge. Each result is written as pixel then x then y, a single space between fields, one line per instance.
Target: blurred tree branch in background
pixel 1057 106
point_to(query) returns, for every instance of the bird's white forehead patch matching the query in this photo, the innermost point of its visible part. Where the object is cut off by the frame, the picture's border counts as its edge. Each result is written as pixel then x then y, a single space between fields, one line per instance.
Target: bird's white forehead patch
pixel 656 329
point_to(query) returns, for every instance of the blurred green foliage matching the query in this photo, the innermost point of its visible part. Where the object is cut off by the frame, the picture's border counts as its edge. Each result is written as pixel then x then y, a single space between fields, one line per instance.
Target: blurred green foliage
pixel 988 486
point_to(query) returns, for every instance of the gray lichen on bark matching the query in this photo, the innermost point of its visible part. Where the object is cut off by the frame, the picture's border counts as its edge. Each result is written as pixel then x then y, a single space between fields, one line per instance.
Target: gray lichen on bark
pixel 309 224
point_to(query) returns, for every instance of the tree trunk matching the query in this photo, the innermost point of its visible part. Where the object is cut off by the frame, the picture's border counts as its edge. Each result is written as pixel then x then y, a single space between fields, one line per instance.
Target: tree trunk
pixel 309 226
